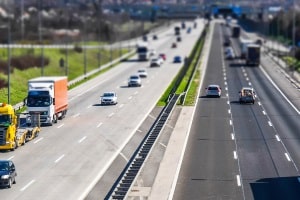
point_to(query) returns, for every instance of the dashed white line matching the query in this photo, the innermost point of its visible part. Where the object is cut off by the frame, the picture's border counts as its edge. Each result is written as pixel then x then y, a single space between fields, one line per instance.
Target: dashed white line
pixel 238 179
pixel 247 79
pixel 83 138
pixel 228 102
pixel 270 123
pixel 111 114
pixel 245 74
pixel 38 140
pixel 229 111
pixel 264 112
pixel 58 159
pixel 121 105
pixel 76 115
pixel 225 82
pixel 230 122
pixel 232 136
pixel 226 88
pixel 250 83
pixel 139 130
pixel 136 92
pixel 130 97
pixel 277 138
pixel 100 124
pixel 27 185
pixel 125 158
pixel 259 103
pixel 287 157
pixel 10 158
pixel 235 155
pixel 60 125
pixel 163 145
pixel 89 106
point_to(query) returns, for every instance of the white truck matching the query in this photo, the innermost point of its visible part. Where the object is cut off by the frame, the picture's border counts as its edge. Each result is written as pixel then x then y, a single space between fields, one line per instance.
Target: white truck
pixel 47 96
pixel 142 50
pixel 244 45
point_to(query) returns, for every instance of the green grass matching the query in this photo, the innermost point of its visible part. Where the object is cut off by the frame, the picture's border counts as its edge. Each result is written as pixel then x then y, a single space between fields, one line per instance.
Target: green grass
pixel 19 78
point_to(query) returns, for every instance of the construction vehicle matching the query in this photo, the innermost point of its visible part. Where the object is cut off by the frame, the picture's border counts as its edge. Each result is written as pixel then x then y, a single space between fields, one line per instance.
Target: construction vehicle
pixel 13 133
pixel 48 96
pixel 253 55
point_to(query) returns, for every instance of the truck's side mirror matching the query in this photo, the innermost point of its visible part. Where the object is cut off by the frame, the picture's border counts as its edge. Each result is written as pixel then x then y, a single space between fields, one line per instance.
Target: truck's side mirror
pixel 53 101
pixel 25 101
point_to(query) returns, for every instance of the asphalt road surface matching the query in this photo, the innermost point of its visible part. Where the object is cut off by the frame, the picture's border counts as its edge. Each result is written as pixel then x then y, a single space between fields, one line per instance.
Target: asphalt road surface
pixel 68 159
pixel 242 151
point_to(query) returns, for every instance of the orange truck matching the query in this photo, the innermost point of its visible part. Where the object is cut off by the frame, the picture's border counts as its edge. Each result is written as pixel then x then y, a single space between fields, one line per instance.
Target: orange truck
pixel 13 133
pixel 48 96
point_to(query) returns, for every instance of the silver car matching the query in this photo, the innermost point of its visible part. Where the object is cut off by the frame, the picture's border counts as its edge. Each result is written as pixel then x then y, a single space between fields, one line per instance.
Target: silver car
pixel 109 98
pixel 134 80
pixel 213 91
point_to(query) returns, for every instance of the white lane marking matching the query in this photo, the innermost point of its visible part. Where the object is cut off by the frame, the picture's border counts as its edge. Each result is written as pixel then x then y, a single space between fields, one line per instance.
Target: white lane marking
pixel 245 74
pixel 58 159
pixel 259 103
pixel 235 155
pixel 165 146
pixel 100 124
pixel 238 179
pixel 139 130
pixel 60 125
pixel 10 158
pixel 121 105
pixel 130 97
pixel 229 111
pixel 89 106
pixel 111 114
pixel 247 79
pixel 125 158
pixel 227 95
pixel 225 78
pixel 225 82
pixel 287 157
pixel 270 123
pixel 232 136
pixel 83 138
pixel 76 115
pixel 136 92
pixel 226 88
pixel 250 83
pixel 228 102
pixel 264 112
pixel 230 122
pixel 277 138
pixel 27 185
pixel 277 88
pixel 38 140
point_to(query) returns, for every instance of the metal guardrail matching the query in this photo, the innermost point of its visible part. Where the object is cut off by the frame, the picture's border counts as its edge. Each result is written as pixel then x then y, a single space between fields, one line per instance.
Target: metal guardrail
pixel 127 177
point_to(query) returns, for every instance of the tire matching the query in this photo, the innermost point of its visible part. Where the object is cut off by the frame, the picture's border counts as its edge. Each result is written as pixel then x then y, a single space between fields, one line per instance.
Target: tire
pixel 54 119
pixel 14 182
pixel 9 183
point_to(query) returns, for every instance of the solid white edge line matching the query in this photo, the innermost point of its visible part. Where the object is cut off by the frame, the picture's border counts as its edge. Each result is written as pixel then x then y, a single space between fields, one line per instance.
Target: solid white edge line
pixel 272 82
pixel 27 185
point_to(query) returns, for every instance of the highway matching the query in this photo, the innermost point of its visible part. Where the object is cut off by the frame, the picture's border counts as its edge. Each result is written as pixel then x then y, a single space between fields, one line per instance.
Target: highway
pixel 237 151
pixel 68 159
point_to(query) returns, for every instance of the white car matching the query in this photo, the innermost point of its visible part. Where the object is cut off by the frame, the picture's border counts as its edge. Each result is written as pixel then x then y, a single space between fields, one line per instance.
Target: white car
pixel 142 73
pixel 134 80
pixel 109 98
pixel 156 62
pixel 229 53
pixel 213 91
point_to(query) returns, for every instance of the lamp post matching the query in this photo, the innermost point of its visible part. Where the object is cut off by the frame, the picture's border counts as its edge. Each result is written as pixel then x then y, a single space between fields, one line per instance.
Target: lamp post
pixel 40 35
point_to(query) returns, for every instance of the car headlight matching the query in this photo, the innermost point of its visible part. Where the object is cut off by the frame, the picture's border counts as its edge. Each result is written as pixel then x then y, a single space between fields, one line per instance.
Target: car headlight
pixel 5 176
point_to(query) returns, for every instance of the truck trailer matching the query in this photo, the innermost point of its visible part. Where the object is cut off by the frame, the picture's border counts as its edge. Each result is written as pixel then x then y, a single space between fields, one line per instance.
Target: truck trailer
pixel 14 132
pixel 143 51
pixel 253 55
pixel 244 46
pixel 235 31
pixel 47 96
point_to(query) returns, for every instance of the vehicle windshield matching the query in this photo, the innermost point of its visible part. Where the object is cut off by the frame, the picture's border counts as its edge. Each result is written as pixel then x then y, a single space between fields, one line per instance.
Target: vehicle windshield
pixel 5 120
pixel 108 94
pixel 212 88
pixel 142 50
pixel 38 101
pixel 141 70
pixel 3 166
pixel 134 77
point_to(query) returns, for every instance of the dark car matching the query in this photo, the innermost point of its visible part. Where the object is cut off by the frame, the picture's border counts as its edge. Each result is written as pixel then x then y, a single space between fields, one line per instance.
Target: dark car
pixel 174 45
pixel 178 39
pixel 7 173
pixel 177 59
pixel 155 37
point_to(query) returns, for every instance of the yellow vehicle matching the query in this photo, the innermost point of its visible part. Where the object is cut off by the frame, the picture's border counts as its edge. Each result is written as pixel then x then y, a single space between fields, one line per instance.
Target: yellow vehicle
pixel 12 133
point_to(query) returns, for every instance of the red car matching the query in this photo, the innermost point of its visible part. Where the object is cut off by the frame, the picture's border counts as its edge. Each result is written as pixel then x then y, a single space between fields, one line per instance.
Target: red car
pixel 163 56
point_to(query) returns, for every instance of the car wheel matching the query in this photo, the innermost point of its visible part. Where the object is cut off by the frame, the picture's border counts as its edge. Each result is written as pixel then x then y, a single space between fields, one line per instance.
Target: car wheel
pixel 14 182
pixel 9 183
pixel 55 119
